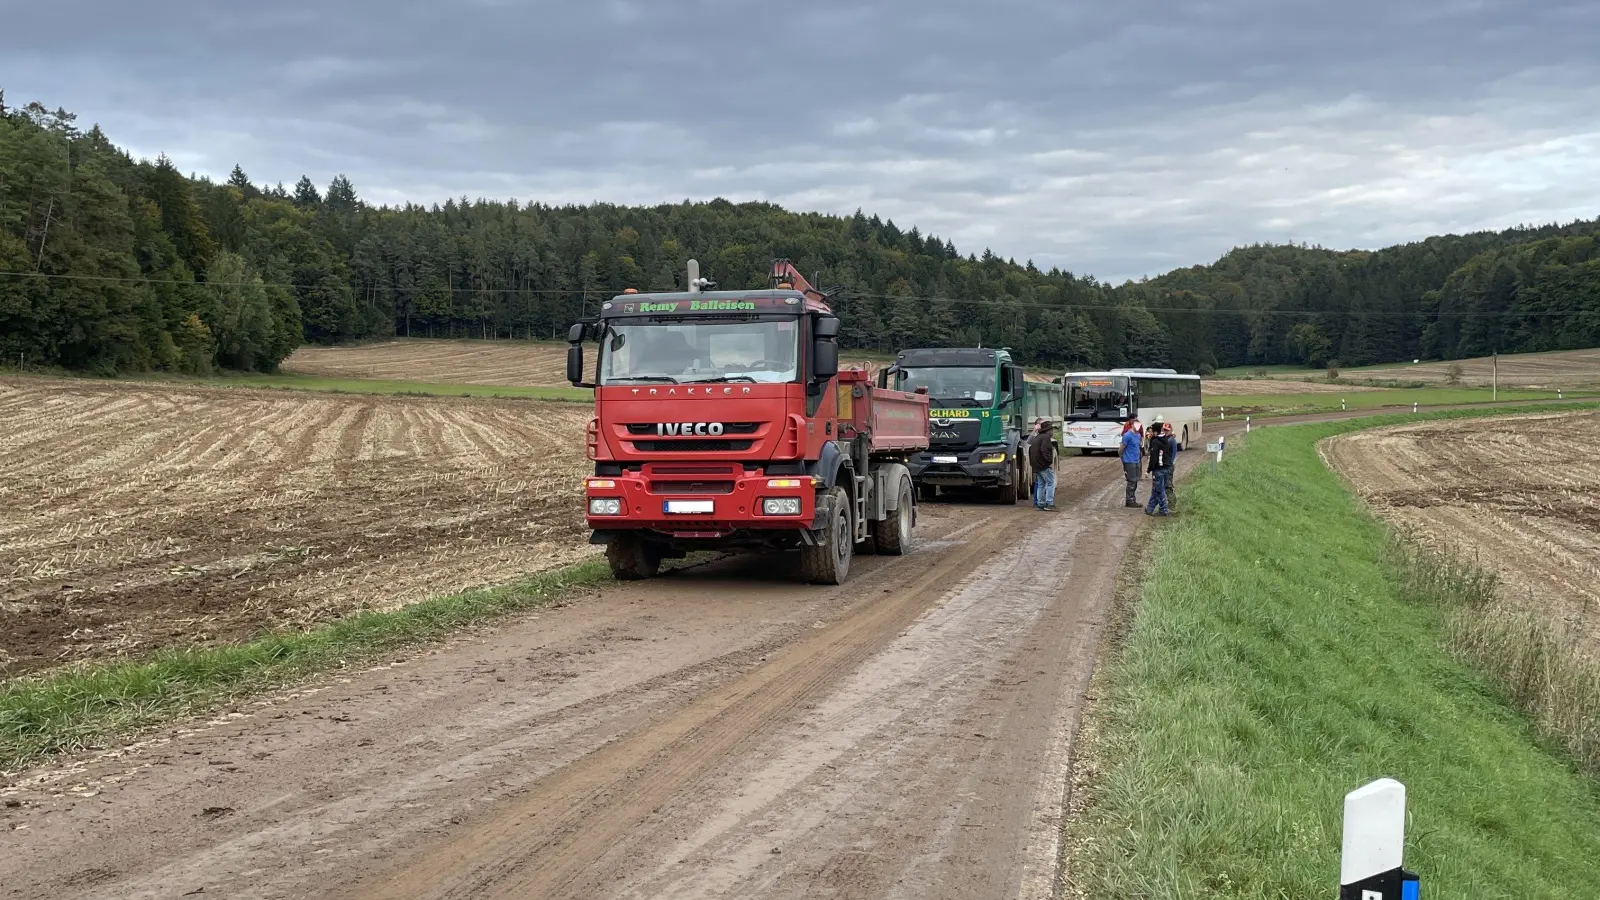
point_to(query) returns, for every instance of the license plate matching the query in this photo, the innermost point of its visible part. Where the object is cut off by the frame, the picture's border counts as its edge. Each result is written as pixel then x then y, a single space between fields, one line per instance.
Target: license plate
pixel 1094 443
pixel 690 506
pixel 944 459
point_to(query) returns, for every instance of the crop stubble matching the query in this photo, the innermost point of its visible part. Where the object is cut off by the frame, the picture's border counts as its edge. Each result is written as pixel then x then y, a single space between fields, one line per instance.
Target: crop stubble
pixel 496 363
pixel 140 516
pixel 1516 493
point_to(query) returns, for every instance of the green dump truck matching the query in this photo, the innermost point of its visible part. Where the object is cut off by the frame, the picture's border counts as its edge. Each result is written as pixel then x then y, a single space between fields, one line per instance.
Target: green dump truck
pixel 980 410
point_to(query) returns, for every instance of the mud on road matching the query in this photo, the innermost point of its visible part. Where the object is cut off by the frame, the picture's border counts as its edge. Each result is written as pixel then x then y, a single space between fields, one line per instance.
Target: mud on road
pixel 717 731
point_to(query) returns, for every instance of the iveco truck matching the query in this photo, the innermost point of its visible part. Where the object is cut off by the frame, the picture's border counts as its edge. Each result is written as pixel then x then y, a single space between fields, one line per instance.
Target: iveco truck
pixel 980 412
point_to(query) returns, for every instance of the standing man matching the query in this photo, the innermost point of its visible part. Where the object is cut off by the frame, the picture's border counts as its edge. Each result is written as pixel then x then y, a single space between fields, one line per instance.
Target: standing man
pixel 1042 456
pixel 1027 442
pixel 1161 441
pixel 1132 453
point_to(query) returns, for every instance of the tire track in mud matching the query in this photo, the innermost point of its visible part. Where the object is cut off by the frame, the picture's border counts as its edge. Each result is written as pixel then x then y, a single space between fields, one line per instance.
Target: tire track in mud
pixel 528 851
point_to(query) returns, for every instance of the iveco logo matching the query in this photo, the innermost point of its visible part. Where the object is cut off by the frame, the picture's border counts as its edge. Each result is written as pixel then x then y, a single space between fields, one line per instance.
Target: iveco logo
pixel 675 429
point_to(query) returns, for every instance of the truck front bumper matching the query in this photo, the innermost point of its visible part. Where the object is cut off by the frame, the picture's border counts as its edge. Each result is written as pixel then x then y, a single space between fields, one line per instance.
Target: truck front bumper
pixel 987 465
pixel 699 505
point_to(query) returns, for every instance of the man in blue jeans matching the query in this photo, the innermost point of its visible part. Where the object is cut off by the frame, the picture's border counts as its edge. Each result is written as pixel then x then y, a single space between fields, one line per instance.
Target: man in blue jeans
pixel 1162 447
pixel 1042 456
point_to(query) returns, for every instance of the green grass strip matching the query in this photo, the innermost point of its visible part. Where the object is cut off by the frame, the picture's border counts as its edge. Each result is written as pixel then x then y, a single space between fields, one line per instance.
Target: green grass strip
pixel 1263 405
pixel 1276 662
pixel 81 707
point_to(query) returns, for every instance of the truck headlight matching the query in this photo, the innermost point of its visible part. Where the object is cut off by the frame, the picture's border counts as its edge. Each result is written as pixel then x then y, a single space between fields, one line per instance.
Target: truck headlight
pixel 780 506
pixel 995 457
pixel 605 506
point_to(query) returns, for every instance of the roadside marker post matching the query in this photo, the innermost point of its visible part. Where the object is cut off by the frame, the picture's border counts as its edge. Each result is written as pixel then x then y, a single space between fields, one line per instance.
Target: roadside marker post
pixel 1224 413
pixel 1370 861
pixel 1246 424
pixel 1413 406
pixel 1215 449
pixel 1342 407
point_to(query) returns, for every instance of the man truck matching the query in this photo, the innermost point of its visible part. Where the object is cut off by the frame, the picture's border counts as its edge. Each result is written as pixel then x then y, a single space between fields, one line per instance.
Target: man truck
pixel 982 411
pixel 722 420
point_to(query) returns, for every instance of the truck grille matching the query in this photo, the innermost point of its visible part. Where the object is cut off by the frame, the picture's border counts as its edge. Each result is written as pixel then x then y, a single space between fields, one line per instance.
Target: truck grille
pixel 691 446
pixel 691 487
pixel 646 428
pixel 960 434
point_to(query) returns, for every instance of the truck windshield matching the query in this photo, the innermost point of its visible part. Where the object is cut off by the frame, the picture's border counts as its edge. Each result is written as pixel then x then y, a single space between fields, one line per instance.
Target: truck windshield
pixel 952 386
pixel 684 352
pixel 1098 398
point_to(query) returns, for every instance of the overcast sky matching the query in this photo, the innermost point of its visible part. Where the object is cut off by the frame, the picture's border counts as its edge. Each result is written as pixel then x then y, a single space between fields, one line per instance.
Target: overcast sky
pixel 1117 138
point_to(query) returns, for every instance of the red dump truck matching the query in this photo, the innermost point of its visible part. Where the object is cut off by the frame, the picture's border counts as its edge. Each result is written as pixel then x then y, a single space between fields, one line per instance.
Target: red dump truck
pixel 722 421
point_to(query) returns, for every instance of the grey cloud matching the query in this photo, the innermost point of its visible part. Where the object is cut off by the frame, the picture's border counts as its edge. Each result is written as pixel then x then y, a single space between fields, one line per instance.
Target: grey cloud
pixel 1115 139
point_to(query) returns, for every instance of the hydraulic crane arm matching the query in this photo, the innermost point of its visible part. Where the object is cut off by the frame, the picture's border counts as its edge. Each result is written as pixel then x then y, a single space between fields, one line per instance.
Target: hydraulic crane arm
pixel 784 272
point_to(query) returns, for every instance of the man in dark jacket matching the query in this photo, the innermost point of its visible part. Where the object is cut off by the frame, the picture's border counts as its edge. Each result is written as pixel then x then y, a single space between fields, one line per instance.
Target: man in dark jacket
pixel 1162 448
pixel 1042 456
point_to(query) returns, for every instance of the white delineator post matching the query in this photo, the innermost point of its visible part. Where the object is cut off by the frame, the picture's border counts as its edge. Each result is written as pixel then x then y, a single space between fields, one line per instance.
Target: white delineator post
pixel 1370 864
pixel 1246 424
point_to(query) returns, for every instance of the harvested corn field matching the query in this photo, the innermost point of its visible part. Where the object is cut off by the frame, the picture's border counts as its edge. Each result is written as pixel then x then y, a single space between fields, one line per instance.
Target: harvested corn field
pixel 499 363
pixel 1516 493
pixel 135 516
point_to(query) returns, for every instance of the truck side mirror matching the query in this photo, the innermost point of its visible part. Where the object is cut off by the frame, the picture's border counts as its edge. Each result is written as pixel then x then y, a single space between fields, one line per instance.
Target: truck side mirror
pixel 575 362
pixel 575 333
pixel 826 360
pixel 824 349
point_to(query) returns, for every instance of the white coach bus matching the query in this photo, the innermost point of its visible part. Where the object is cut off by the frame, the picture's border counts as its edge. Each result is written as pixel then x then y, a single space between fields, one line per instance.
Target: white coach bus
pixel 1099 402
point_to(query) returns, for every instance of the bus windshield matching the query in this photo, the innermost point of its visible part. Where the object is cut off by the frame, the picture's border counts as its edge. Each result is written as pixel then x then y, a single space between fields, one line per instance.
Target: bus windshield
pixel 1098 398
pixel 952 386
pixel 689 351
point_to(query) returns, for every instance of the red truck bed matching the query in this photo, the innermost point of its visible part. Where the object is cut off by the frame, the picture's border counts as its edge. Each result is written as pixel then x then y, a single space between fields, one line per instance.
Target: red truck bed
pixel 896 421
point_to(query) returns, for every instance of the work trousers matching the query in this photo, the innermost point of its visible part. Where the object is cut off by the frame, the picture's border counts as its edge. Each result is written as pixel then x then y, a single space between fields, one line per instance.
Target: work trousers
pixel 1130 471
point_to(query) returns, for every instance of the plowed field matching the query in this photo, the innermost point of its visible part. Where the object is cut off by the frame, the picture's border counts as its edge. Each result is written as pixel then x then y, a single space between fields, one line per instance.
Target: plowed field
pixel 1521 494
pixel 1569 369
pixel 139 516
pixel 1258 386
pixel 507 363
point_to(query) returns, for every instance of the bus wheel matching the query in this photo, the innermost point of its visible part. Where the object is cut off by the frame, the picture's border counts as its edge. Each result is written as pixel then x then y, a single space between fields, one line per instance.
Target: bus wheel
pixel 1185 444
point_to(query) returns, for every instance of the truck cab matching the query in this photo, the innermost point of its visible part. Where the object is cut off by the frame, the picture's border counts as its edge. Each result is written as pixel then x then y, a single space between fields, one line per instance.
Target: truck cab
pixel 976 419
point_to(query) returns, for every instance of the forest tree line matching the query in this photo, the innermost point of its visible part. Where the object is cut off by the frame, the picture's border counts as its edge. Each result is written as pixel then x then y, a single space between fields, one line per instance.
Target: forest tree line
pixel 110 264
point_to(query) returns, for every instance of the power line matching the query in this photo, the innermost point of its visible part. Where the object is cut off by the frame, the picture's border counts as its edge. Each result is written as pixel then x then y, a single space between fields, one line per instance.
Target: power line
pixel 846 295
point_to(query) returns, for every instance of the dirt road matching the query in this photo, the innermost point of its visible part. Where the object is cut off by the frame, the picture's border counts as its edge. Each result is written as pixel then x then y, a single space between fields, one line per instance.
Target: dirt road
pixel 719 731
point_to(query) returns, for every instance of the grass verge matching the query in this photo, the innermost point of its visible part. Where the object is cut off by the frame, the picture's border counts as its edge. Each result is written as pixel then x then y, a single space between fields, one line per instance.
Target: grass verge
pixel 78 708
pixel 1535 661
pixel 1238 405
pixel 1280 658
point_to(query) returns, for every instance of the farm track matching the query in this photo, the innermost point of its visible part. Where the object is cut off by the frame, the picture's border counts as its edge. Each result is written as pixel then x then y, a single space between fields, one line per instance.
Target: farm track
pixel 717 731
pixel 1518 494
pixel 138 516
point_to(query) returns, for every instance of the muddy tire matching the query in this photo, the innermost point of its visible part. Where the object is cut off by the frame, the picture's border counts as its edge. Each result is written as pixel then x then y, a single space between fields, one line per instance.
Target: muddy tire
pixel 631 559
pixel 1024 484
pixel 892 536
pixel 829 561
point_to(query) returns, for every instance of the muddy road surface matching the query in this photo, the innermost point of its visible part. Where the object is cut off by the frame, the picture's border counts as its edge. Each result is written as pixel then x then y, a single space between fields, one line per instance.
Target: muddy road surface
pixel 719 731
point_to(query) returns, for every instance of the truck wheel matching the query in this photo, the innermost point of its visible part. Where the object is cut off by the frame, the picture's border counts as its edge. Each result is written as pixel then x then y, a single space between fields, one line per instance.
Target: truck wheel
pixel 1024 483
pixel 892 536
pixel 631 558
pixel 828 562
